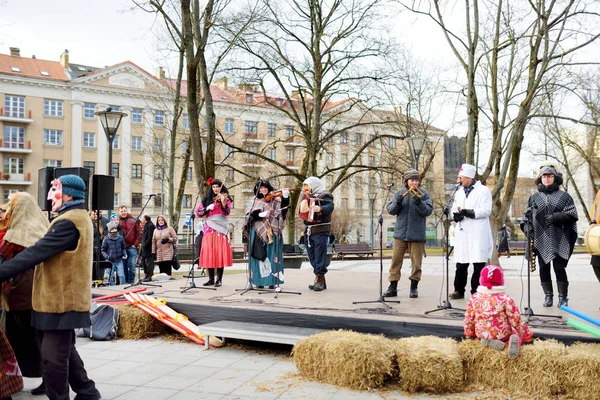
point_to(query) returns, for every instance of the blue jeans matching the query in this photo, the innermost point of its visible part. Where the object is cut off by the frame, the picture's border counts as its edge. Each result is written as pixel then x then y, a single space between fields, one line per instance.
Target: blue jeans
pixel 131 258
pixel 117 266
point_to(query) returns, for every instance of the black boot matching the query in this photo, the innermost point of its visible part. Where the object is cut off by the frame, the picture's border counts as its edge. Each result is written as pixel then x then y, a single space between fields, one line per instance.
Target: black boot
pixel 392 290
pixel 320 285
pixel 547 287
pixel 211 277
pixel 219 280
pixel 414 293
pixel 312 287
pixel 39 390
pixel 563 291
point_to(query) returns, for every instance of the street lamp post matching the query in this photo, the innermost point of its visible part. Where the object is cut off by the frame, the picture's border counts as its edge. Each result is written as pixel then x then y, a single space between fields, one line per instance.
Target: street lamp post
pixel 416 144
pixel 110 121
pixel 372 197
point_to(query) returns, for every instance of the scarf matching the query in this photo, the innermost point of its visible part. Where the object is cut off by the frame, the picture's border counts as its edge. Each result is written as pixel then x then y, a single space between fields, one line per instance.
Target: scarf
pixel 219 223
pixel 27 222
pixel 113 235
pixel 273 221
pixel 71 203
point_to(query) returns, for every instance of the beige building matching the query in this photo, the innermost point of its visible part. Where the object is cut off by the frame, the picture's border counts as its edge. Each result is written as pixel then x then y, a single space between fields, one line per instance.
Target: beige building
pixel 47 117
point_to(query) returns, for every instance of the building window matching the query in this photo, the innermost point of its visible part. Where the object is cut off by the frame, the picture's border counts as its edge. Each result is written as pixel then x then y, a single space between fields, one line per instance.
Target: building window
pixel 392 143
pixel 158 200
pixel 116 145
pixel 136 171
pixel 91 165
pixel 186 201
pixel 359 204
pixel 250 127
pixel 185 121
pixel 278 103
pixel 53 108
pixel 249 98
pixel 271 128
pixel 89 139
pixel 52 137
pixel 159 118
pixel 115 170
pixel 289 154
pixel 357 139
pixel 136 143
pixel 188 174
pixel 345 204
pixel 114 108
pixel 272 154
pixel 88 110
pixel 136 199
pixel 14 137
pixel 371 161
pixel 136 116
pixel 158 172
pixel 116 202
pixel 53 163
pixel 14 106
pixel 8 192
pixel 359 181
pixel 289 131
pixel 158 144
pixel 13 165
pixel 343 138
pixel 252 150
pixel 229 125
pixel 230 173
pixel 228 150
pixel 344 159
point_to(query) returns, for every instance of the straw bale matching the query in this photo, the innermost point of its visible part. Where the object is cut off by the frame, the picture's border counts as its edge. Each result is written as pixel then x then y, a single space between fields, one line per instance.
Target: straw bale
pixel 536 370
pixel 136 324
pixel 429 364
pixel 345 358
pixel 580 369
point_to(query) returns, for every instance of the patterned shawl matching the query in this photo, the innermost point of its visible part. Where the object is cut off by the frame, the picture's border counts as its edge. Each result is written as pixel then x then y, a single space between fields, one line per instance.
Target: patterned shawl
pixel 274 221
pixel 556 239
pixel 219 223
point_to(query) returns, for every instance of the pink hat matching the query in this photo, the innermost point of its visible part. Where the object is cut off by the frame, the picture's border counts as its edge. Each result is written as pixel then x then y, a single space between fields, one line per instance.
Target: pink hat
pixel 492 275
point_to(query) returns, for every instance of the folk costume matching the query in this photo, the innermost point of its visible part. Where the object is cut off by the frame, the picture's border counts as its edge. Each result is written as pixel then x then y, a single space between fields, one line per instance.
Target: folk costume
pixel 493 317
pixel 61 288
pixel 409 232
pixel 265 221
pixel 315 208
pixel 473 241
pixel 552 214
pixel 163 240
pixel 216 252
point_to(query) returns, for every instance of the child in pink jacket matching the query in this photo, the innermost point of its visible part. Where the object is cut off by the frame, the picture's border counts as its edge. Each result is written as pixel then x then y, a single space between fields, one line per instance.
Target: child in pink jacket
pixel 493 317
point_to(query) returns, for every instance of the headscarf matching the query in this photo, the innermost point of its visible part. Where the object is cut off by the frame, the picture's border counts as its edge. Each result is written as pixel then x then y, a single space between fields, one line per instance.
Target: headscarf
pixel 26 223
pixel 316 185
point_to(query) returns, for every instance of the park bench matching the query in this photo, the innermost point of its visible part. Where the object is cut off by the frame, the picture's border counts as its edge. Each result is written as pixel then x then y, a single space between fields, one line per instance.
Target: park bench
pixel 359 249
pixel 255 332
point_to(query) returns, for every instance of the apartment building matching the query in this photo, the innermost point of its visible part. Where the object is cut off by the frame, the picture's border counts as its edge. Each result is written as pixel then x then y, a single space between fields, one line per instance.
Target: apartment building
pixel 47 117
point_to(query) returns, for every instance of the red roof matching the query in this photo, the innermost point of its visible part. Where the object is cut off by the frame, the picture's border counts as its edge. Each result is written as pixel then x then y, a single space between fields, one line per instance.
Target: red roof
pixel 32 67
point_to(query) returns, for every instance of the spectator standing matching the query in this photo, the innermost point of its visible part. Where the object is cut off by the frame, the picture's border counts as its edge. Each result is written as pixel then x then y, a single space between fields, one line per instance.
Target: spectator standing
pixel 114 250
pixel 132 235
pixel 163 239
pixel 146 249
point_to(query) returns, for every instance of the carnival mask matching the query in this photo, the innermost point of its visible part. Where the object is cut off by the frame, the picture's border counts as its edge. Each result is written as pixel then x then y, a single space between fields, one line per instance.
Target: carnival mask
pixel 55 194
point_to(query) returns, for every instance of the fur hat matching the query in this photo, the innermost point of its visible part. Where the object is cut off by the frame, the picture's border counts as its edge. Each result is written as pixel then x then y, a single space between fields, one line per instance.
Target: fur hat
pixel 467 170
pixel 72 185
pixel 491 275
pixel 411 173
pixel 549 170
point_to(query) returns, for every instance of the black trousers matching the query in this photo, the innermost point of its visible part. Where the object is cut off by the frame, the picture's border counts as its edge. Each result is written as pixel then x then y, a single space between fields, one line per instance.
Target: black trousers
pixel 26 342
pixel 560 270
pixel 148 266
pixel 462 272
pixel 63 367
pixel 317 252
pixel 165 267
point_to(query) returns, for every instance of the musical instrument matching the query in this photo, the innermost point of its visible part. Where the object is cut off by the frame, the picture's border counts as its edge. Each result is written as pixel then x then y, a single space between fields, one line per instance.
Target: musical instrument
pixel 275 193
pixel 592 240
pixel 414 191
pixel 306 207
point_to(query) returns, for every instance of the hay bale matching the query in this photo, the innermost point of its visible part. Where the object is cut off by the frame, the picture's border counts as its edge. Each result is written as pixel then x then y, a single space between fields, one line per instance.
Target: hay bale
pixel 537 369
pixel 136 324
pixel 429 364
pixel 580 369
pixel 344 358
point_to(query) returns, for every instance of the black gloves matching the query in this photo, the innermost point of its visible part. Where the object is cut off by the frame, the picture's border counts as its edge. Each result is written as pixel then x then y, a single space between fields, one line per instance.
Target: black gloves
pixel 417 201
pixel 255 215
pixel 468 213
pixel 165 240
pixel 592 222
pixel 458 217
pixel 154 256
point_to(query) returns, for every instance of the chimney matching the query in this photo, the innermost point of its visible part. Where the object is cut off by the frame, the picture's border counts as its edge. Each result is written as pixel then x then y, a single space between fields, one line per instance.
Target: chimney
pixel 296 94
pixel 247 87
pixel 64 59
pixel 160 74
pixel 221 83
pixel 398 111
pixel 15 52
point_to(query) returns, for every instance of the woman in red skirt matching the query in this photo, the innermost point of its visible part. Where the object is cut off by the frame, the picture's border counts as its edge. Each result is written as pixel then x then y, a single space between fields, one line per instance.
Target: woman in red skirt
pixel 216 249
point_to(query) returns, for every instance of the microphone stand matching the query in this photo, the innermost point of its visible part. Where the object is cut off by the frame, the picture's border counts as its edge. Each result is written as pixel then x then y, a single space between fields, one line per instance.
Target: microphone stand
pixel 139 265
pixel 446 305
pixel 381 299
pixel 192 284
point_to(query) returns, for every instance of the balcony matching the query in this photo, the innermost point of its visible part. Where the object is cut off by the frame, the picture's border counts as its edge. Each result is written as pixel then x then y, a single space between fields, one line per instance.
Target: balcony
pixel 291 164
pixel 15 147
pixel 252 162
pixel 8 116
pixel 293 141
pixel 16 179
pixel 253 138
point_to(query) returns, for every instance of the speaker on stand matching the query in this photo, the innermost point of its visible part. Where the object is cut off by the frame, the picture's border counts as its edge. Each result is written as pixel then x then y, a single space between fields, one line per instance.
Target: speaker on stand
pixel 45 176
pixel 103 193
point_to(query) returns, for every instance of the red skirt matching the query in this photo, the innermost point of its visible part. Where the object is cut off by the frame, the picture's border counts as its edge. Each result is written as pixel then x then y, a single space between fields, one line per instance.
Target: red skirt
pixel 216 251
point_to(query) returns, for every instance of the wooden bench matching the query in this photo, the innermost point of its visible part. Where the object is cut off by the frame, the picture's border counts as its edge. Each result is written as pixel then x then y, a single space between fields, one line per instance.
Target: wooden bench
pixel 255 332
pixel 359 249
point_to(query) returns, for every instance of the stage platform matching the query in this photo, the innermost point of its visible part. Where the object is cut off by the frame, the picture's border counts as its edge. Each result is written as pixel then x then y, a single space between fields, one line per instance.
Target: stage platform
pixel 358 280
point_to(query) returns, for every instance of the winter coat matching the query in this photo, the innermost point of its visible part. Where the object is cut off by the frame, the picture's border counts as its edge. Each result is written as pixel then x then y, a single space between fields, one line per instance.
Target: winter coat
pixel 131 230
pixel 164 252
pixel 473 241
pixel 114 249
pixel 147 234
pixel 410 218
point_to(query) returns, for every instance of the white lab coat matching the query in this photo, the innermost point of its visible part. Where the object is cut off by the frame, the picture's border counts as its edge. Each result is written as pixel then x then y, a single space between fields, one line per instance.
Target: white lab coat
pixel 473 242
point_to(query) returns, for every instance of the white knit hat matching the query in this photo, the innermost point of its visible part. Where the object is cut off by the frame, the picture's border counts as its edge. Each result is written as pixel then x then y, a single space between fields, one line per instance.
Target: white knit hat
pixel 467 170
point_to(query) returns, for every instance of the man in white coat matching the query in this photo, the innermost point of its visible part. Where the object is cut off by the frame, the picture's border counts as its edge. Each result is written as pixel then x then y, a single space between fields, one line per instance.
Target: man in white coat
pixel 473 242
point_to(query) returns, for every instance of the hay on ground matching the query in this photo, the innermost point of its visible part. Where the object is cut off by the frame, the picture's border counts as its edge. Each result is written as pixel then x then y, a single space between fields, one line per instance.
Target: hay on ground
pixel 536 370
pixel 429 364
pixel 136 324
pixel 344 358
pixel 580 370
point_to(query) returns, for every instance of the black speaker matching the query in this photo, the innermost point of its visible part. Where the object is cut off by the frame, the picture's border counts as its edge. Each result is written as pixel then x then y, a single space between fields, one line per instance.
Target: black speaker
pixel 45 176
pixel 103 192
pixel 83 173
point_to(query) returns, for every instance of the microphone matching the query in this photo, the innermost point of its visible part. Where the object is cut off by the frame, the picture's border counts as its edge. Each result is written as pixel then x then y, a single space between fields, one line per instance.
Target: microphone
pixel 151 194
pixel 391 185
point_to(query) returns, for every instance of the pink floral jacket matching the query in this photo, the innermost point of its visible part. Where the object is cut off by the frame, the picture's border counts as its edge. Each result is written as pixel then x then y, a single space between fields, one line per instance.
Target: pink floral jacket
pixel 493 314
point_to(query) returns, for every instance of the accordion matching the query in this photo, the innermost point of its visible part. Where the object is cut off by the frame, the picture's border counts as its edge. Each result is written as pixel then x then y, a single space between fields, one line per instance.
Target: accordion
pixel 305 208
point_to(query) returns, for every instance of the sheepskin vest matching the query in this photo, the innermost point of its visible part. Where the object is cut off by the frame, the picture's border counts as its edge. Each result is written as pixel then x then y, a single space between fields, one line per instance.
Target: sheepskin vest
pixel 63 282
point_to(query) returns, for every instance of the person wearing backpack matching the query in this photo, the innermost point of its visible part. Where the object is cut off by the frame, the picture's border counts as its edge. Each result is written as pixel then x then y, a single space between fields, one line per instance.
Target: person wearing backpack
pixel 114 250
